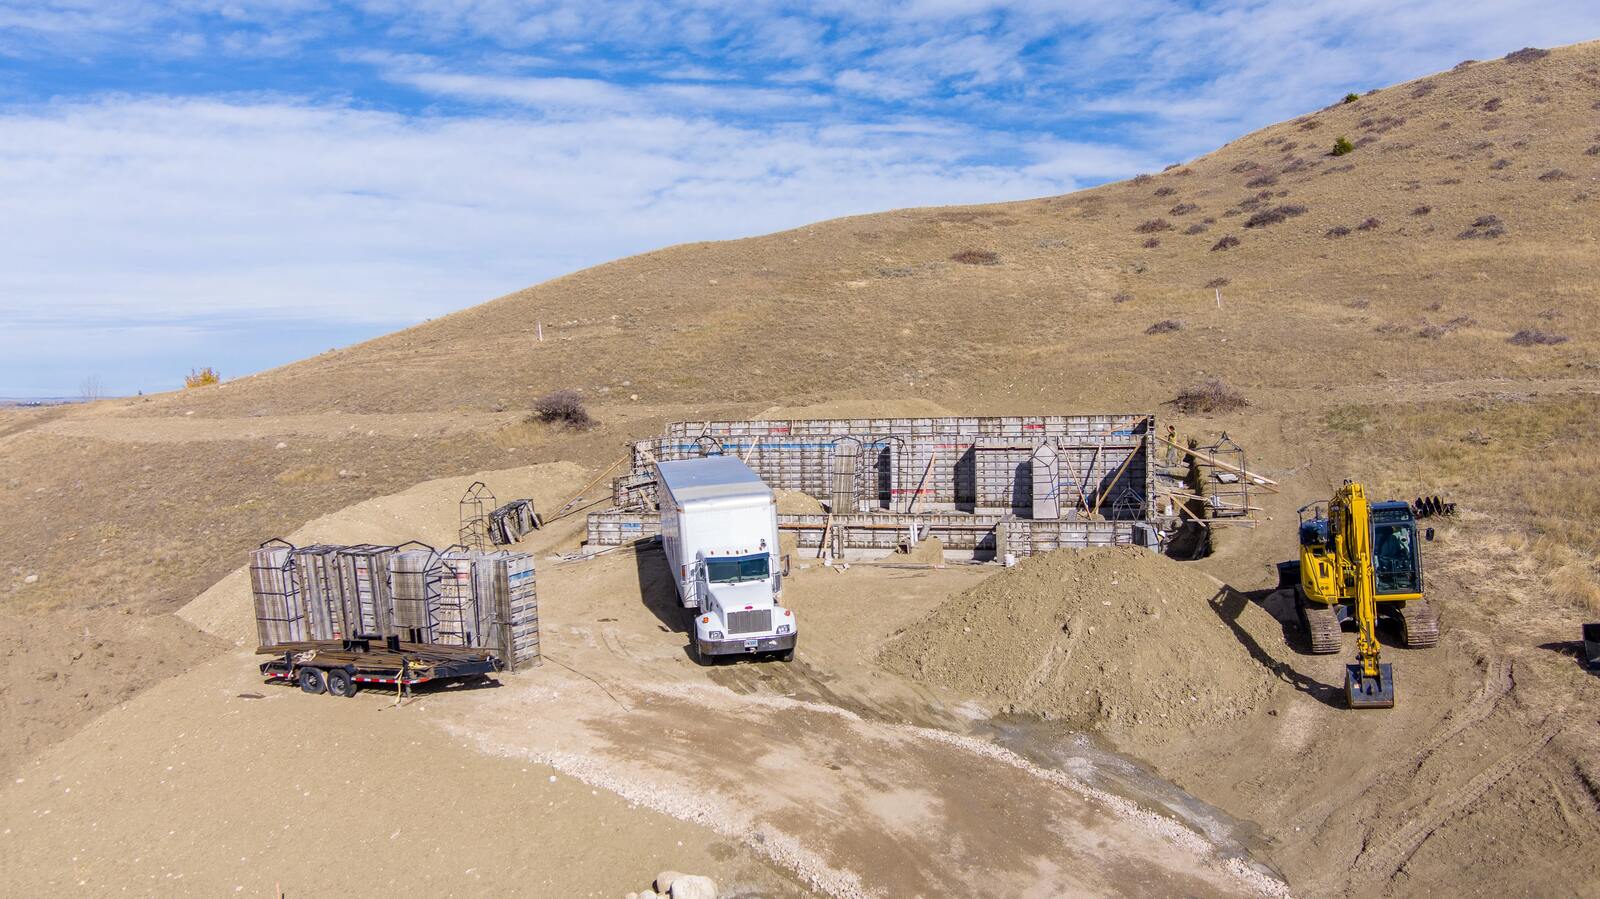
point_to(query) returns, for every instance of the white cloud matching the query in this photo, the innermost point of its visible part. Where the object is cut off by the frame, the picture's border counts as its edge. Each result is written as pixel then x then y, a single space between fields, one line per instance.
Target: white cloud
pixel 145 210
pixel 540 136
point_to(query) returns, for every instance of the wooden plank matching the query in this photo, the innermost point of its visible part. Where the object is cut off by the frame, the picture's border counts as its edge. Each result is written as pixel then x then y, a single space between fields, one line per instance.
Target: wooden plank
pixel 1114 478
pixel 1218 463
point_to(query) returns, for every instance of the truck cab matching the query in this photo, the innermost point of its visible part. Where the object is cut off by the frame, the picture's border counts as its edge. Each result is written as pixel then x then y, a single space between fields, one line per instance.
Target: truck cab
pixel 739 612
pixel 719 531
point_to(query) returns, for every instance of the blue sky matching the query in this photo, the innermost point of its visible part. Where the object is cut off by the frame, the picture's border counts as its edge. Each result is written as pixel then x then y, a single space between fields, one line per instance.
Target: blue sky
pixel 226 183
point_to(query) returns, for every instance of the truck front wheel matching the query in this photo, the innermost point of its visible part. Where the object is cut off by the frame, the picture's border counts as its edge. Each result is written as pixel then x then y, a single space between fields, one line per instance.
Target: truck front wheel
pixel 787 655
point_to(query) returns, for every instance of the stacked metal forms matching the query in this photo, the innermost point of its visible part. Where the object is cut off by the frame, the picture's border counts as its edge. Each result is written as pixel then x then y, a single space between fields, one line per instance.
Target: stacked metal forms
pixel 316 574
pixel 1055 481
pixel 513 625
pixel 512 521
pixel 423 596
pixel 414 576
pixel 280 608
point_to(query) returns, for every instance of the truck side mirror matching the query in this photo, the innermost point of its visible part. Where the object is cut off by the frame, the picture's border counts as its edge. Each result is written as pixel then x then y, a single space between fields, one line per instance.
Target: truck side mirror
pixel 1428 535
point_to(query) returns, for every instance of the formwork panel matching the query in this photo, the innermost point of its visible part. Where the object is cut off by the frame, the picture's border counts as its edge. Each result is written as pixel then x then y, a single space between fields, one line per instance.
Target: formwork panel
pixel 903 465
pixel 458 607
pixel 279 605
pixel 364 575
pixel 414 579
pixel 510 582
pixel 886 531
pixel 316 574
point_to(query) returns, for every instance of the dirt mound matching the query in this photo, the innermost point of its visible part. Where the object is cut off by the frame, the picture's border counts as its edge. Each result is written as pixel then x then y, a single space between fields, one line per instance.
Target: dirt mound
pixel 793 502
pixel 1119 640
pixel 929 550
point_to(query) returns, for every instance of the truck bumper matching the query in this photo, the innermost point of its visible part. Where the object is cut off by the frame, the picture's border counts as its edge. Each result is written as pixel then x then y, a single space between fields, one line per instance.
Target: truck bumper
pixel 736 646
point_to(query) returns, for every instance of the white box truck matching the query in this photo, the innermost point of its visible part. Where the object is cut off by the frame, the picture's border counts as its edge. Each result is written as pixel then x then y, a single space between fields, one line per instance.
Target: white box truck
pixel 719 528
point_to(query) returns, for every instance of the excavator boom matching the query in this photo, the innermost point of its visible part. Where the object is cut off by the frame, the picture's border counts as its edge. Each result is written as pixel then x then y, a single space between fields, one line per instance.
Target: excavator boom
pixel 1368 684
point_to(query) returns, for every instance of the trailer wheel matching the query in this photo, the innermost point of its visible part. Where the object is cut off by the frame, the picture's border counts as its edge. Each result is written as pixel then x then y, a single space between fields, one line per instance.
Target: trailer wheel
pixel 312 681
pixel 340 683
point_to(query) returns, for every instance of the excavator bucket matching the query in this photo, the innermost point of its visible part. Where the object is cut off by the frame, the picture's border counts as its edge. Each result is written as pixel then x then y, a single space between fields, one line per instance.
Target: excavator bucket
pixel 1363 692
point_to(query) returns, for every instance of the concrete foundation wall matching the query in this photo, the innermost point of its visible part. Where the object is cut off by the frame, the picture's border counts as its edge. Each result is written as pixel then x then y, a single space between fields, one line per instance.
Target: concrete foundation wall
pixel 977 536
pixel 906 465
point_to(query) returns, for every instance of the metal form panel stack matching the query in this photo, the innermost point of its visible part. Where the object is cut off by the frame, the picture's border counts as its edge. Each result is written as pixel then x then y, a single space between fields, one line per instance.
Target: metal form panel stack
pixel 458 604
pixel 454 598
pixel 414 576
pixel 507 590
pixel 364 573
pixel 510 522
pixel 280 607
pixel 316 570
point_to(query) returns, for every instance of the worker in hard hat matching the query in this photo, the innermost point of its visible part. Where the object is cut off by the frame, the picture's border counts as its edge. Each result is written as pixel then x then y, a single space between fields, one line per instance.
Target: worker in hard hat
pixel 1172 445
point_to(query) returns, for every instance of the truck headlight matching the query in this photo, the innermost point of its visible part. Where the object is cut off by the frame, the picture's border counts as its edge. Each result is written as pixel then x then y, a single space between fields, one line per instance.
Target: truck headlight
pixel 783 628
pixel 715 635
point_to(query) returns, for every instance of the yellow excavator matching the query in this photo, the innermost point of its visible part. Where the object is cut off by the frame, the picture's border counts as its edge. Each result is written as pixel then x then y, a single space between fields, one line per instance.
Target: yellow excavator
pixel 1359 560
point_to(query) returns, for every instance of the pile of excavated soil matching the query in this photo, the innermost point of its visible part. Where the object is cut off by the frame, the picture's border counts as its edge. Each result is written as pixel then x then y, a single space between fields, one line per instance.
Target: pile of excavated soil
pixel 794 502
pixel 928 549
pixel 1118 640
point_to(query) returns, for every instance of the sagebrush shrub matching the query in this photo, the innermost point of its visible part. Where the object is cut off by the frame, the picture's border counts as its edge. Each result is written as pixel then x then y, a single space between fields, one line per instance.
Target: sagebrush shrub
pixel 976 257
pixel 563 407
pixel 1210 395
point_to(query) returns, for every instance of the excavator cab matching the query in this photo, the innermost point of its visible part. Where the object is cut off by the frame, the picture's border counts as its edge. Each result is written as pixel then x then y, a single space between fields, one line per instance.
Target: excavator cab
pixel 1395 564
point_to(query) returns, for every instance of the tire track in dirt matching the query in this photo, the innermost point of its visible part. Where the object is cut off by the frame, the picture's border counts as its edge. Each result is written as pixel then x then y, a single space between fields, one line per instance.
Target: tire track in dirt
pixel 1496 685
pixel 1391 855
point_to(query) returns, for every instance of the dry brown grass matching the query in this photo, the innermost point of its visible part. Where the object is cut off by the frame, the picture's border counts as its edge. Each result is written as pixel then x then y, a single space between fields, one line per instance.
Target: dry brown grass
pixel 1525 470
pixel 308 474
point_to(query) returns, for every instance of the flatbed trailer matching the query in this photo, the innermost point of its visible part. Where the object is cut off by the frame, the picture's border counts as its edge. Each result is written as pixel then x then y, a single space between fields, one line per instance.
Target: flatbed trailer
pixel 342 667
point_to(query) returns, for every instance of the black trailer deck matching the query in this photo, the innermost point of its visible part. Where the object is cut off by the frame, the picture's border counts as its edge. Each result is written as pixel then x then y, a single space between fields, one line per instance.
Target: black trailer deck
pixel 342 667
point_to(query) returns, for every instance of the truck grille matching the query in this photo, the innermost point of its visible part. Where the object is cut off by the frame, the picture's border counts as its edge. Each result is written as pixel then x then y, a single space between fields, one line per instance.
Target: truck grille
pixel 750 621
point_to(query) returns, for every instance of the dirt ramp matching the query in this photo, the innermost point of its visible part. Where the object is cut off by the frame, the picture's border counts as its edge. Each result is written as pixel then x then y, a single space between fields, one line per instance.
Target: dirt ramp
pixel 1118 640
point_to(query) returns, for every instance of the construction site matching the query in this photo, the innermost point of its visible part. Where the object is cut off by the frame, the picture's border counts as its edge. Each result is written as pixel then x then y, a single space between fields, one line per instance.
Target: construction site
pixel 986 488
pixel 867 612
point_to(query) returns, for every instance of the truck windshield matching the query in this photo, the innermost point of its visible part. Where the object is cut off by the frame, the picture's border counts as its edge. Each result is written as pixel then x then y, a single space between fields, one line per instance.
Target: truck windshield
pixel 1395 557
pixel 734 569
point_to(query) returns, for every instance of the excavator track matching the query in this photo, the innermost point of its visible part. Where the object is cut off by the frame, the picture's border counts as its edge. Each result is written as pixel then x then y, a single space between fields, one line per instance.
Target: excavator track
pixel 1420 624
pixel 1321 624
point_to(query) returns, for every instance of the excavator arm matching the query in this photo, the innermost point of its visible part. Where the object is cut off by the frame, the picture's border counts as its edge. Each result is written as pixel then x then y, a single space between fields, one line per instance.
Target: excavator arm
pixel 1369 683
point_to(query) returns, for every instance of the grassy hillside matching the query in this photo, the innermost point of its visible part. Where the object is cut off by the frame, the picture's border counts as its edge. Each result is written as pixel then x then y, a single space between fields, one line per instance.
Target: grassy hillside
pixel 1467 211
